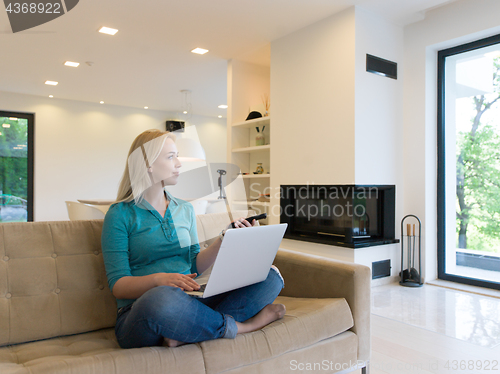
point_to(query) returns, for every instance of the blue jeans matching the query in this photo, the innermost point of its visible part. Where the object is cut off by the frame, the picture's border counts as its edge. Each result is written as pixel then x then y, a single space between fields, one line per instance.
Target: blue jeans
pixel 171 313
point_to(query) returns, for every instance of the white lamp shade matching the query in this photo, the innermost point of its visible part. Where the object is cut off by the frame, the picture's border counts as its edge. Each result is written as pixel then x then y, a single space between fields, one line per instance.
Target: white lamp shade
pixel 190 150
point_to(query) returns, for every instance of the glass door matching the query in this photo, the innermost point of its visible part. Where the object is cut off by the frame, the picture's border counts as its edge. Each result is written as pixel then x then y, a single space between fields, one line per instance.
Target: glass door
pixel 16 167
pixel 469 163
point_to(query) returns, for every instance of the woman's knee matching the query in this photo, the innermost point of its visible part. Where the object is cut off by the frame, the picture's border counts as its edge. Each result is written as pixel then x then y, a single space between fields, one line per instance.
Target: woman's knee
pixel 274 282
pixel 276 277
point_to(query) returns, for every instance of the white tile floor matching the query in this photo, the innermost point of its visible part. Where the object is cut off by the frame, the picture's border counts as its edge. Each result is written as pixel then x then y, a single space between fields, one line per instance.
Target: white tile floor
pixel 434 330
pixel 457 314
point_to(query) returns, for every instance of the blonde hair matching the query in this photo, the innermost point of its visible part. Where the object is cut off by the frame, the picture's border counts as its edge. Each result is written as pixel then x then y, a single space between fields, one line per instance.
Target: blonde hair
pixel 143 153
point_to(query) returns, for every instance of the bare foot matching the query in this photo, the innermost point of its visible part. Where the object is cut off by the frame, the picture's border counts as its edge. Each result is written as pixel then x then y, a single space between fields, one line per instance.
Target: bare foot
pixel 172 343
pixel 268 314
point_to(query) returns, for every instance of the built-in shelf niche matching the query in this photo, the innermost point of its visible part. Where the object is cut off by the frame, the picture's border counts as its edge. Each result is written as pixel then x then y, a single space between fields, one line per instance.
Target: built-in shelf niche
pixel 246 155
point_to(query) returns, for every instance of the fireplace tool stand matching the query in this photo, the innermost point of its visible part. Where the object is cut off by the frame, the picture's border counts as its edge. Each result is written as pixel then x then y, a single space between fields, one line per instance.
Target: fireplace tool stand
pixel 411 251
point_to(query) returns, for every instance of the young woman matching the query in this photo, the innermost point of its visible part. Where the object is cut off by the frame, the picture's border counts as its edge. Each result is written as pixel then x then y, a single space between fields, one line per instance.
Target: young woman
pixel 151 254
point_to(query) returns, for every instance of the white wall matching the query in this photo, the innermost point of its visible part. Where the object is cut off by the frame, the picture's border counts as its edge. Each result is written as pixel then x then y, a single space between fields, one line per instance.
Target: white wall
pixel 312 101
pixel 81 148
pixel 212 134
pixel 378 123
pixel 458 23
pixel 347 120
pixel 378 102
pixel 246 84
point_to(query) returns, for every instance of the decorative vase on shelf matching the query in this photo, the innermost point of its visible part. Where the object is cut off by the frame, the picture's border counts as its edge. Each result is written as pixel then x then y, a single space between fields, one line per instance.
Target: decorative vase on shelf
pixel 260 169
pixel 259 139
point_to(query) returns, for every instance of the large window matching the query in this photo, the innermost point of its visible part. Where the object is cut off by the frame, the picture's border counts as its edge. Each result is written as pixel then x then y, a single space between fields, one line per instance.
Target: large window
pixel 469 163
pixel 16 167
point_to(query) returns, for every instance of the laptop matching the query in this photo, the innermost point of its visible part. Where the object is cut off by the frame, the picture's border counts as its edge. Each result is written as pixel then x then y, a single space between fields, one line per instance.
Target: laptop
pixel 245 257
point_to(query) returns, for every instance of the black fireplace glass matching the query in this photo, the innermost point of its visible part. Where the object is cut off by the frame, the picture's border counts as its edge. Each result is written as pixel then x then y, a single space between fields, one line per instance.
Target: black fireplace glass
pixel 345 215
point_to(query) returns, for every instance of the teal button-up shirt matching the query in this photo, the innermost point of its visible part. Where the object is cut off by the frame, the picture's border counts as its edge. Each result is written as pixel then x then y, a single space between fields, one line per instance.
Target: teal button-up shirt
pixel 136 240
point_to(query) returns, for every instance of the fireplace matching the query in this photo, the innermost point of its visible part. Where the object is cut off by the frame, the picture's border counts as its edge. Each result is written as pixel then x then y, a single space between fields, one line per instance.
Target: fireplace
pixel 353 216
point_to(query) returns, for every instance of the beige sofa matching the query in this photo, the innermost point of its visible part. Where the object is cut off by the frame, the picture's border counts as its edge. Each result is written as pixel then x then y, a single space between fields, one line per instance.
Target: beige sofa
pixel 57 312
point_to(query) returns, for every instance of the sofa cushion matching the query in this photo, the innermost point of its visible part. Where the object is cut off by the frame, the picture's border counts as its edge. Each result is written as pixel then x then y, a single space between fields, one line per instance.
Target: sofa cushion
pixel 52 280
pixel 331 355
pixel 306 322
pixel 97 352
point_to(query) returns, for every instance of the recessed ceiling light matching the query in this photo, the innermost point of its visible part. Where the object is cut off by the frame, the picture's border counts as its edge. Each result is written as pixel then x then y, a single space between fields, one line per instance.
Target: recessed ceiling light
pixel 108 30
pixel 146 107
pixel 185 112
pixel 219 116
pixel 222 107
pixel 51 83
pixel 101 102
pixel 51 96
pixel 72 64
pixel 200 51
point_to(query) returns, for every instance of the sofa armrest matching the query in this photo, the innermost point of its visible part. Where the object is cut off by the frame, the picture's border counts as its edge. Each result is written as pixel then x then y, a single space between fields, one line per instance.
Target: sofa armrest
pixel 310 276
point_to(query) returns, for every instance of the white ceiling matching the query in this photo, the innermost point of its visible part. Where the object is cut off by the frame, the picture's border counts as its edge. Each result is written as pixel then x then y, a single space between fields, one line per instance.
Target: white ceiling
pixel 149 61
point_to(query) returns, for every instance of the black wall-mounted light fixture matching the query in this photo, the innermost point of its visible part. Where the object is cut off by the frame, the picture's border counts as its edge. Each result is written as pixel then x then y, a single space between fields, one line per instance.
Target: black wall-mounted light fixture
pixel 382 67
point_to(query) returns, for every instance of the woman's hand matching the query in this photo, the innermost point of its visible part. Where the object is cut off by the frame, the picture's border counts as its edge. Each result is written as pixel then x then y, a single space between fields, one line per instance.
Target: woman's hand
pixel 183 281
pixel 241 222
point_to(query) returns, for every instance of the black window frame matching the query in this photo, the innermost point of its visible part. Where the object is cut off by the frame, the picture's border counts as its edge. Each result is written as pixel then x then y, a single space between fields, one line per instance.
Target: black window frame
pixel 441 170
pixel 31 156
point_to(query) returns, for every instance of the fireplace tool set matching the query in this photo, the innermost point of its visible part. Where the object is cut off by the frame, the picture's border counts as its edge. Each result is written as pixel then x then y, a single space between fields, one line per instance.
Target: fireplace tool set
pixel 411 252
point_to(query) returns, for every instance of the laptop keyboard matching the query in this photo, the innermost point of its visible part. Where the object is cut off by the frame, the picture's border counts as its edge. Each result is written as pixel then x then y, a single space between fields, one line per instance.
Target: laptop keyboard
pixel 202 288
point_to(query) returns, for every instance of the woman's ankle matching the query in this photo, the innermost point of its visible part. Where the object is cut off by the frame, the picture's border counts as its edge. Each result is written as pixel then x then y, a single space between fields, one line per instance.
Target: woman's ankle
pixel 172 343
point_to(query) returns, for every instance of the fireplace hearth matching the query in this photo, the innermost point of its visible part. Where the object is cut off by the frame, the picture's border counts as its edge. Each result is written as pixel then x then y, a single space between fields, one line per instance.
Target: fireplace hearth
pixel 353 216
